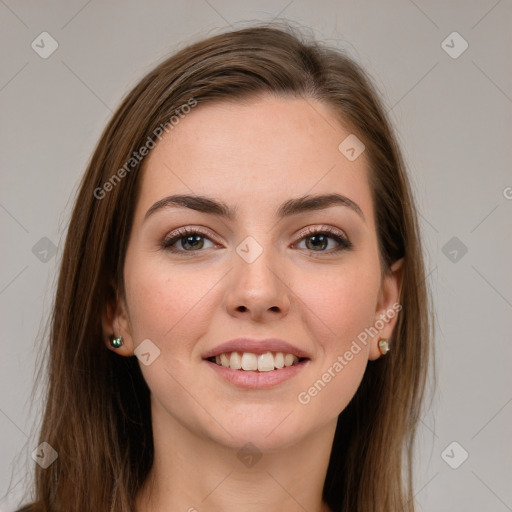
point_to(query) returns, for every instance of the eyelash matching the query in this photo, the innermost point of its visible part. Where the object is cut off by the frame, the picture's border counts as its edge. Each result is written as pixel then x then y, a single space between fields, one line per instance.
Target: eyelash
pixel 342 240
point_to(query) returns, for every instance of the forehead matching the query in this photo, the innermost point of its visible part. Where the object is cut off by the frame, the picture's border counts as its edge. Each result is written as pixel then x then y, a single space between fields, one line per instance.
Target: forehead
pixel 261 151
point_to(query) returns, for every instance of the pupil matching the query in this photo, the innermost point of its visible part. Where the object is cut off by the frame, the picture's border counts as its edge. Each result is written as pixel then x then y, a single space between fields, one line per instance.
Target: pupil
pixel 320 239
pixel 192 240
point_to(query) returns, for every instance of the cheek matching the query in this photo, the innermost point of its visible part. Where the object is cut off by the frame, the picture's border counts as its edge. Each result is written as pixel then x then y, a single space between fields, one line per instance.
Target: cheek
pixel 340 303
pixel 337 313
pixel 171 307
pixel 165 301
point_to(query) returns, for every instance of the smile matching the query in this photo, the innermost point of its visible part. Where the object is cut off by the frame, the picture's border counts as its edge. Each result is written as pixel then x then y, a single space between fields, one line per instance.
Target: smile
pixel 248 361
pixel 256 371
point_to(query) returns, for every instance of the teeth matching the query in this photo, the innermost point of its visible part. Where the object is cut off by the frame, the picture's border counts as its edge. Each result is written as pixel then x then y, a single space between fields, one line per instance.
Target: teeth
pixel 266 362
pixel 235 361
pixel 262 362
pixel 288 359
pixel 249 361
pixel 224 361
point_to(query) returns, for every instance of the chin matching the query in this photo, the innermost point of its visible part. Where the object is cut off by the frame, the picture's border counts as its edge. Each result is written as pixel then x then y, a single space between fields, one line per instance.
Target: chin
pixel 267 435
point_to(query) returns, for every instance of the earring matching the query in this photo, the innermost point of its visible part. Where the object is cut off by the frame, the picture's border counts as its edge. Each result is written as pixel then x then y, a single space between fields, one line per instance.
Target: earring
pixel 383 347
pixel 116 341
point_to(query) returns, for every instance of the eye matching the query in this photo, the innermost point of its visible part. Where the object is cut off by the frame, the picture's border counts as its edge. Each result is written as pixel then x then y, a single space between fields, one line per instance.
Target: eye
pixel 187 239
pixel 319 240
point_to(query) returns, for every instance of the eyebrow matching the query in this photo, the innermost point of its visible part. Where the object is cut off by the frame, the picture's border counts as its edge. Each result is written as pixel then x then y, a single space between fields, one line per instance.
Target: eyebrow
pixel 291 207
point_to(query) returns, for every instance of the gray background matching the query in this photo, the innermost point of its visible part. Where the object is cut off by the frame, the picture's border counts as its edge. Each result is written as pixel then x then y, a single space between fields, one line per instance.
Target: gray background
pixel 453 117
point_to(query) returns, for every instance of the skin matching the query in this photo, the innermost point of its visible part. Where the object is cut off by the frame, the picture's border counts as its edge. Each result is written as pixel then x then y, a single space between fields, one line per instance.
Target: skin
pixel 255 156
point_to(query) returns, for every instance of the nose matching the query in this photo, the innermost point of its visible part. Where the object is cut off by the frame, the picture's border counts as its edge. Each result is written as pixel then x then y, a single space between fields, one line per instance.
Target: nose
pixel 258 289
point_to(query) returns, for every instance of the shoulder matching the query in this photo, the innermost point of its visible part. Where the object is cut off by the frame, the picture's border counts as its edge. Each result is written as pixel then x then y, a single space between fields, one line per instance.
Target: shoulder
pixel 27 508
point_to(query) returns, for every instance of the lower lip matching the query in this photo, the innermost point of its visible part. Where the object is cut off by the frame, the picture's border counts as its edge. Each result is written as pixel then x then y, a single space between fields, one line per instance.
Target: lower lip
pixel 257 380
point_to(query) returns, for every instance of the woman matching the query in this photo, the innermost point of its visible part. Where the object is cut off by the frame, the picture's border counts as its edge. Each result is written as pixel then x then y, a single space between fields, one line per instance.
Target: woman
pixel 241 320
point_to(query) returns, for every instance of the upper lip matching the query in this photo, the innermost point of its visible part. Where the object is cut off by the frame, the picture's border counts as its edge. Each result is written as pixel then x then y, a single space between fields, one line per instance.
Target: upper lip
pixel 256 347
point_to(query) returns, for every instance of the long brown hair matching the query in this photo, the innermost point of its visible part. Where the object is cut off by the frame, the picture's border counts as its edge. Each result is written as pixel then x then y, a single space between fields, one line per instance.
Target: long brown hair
pixel 97 407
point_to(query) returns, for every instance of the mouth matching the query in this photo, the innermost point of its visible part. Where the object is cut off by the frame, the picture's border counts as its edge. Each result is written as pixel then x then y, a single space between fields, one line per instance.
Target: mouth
pixel 257 372
pixel 251 362
pixel 257 364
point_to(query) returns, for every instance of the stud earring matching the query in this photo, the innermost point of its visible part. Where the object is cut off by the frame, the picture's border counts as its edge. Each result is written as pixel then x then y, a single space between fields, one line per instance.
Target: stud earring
pixel 116 341
pixel 383 347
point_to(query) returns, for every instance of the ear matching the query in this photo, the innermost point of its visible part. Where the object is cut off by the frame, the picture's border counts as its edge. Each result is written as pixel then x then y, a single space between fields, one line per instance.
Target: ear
pixel 388 307
pixel 116 322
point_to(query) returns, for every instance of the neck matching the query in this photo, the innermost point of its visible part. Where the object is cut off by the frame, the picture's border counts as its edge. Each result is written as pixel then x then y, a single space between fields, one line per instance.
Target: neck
pixel 192 473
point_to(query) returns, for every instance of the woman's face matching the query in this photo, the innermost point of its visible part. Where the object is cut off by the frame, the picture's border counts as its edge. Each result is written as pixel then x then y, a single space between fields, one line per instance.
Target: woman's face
pixel 261 273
